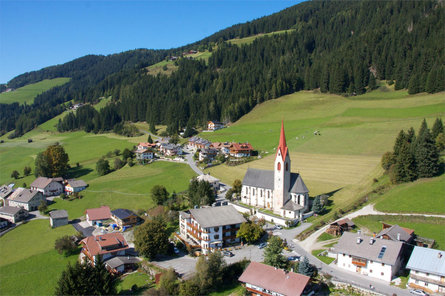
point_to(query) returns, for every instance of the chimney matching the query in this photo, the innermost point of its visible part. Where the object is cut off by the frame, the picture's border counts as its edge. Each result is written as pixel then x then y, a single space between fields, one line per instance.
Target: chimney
pixel 359 232
pixel 398 236
pixel 359 240
pixel 287 277
pixel 371 240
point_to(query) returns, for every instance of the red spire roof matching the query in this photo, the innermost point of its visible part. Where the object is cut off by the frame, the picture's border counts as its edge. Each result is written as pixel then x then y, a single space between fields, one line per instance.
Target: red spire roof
pixel 282 146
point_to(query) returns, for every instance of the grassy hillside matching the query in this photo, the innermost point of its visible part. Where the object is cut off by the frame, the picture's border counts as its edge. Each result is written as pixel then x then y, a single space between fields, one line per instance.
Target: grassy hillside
pixel 250 39
pixel 26 94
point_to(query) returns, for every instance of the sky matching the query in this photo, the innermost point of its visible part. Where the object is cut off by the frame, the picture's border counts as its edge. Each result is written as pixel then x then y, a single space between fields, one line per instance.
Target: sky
pixel 36 34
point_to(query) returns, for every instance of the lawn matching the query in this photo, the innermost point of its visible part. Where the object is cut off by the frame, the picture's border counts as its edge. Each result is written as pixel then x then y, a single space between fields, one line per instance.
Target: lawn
pixel 233 290
pixel 140 279
pixel 421 196
pixel 324 237
pixel 429 227
pixel 325 259
pixel 27 93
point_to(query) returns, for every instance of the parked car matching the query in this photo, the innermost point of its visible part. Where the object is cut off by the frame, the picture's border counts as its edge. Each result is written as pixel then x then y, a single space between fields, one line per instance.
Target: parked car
pixel 293 258
pixel 228 254
pixel 418 292
pixel 262 245
pixel 278 227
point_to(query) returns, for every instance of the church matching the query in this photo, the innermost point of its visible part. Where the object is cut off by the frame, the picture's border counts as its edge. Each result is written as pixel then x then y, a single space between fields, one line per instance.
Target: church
pixel 279 190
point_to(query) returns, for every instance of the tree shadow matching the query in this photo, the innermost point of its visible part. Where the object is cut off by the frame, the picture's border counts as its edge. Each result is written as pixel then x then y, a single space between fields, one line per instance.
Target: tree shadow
pixel 76 172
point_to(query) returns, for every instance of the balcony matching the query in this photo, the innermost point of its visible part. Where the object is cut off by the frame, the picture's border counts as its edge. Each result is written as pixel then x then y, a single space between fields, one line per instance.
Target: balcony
pixel 359 261
pixel 426 279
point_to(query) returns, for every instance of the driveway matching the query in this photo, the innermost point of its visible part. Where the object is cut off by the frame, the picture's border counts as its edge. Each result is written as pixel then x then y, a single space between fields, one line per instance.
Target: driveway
pixel 84 228
pixel 184 265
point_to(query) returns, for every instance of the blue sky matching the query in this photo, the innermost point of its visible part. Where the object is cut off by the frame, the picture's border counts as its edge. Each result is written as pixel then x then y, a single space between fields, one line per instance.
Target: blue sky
pixel 37 34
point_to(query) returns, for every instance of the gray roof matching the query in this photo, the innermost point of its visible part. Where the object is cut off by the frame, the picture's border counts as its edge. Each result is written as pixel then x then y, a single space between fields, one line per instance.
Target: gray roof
pixel 427 260
pixel 24 195
pixel 348 245
pixel 115 262
pixel 10 211
pixel 59 214
pixel 291 206
pixel 122 213
pixel 393 231
pixel 265 179
pixel 41 182
pixel 5 191
pixel 77 183
pixel 217 216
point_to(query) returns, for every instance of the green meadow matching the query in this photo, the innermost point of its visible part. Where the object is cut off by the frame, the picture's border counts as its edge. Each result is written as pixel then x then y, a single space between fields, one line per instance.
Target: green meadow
pixel 428 227
pixel 27 93
pixel 250 39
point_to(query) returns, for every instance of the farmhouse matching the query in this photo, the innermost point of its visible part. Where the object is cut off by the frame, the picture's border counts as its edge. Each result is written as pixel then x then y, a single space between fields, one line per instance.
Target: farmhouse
pixel 145 145
pixel 240 150
pixel 396 233
pixel 196 143
pixel 107 246
pixel 427 270
pixel 144 154
pixel 58 218
pixel 13 214
pixel 214 125
pixel 98 215
pixel 73 186
pixel 377 258
pixel 223 147
pixel 211 227
pixel 212 180
pixel 207 153
pixel 261 279
pixel 170 149
pixel 48 186
pixel 279 190
pixel 124 217
pixel 338 227
pixel 5 192
pixel 26 198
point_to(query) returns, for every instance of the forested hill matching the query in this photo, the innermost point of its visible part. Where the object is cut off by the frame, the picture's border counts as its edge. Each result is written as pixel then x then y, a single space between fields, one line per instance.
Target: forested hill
pixel 338 46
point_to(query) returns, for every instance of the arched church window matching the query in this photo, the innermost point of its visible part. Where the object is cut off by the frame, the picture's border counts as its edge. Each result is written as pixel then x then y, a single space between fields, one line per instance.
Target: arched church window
pixel 279 166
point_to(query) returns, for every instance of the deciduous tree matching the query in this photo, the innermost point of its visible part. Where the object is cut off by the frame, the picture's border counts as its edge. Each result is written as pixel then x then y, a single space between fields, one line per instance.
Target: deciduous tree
pixel 250 232
pixel 151 238
pixel 273 253
pixel 159 194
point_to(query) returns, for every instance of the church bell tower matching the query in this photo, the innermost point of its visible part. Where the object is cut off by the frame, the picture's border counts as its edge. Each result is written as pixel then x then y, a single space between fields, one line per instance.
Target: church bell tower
pixel 281 173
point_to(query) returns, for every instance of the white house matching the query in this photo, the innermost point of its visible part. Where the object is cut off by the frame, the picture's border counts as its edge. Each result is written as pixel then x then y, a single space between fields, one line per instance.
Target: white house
pixel 107 246
pixel 144 154
pixel 212 180
pixel 48 186
pixel 214 125
pixel 73 186
pixel 427 270
pixel 211 227
pixel 26 198
pixel 377 258
pixel 279 190
pixel 13 214
pixel 5 192
pixel 97 216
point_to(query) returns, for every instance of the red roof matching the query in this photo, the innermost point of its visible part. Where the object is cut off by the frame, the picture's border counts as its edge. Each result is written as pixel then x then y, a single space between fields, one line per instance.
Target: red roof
pixel 101 213
pixel 147 144
pixel 282 146
pixel 274 280
pixel 106 243
pixel 241 147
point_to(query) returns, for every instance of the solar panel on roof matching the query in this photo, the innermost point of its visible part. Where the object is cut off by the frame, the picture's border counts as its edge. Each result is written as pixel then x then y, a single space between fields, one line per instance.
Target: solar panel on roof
pixel 382 252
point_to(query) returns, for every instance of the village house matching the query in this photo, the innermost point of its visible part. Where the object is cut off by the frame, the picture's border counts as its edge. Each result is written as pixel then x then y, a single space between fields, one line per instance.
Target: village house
pixel 58 218
pixel 13 214
pixel 207 153
pixel 240 150
pixel 121 264
pixel 196 143
pixel 262 279
pixel 377 258
pixel 72 186
pixel 214 125
pixel 396 233
pixel 124 217
pixel 427 270
pixel 145 145
pixel 338 227
pixel 170 149
pixel 5 192
pixel 211 228
pixel 48 186
pixel 97 216
pixel 165 140
pixel 212 180
pixel 278 190
pixel 107 246
pixel 223 147
pixel 144 154
pixel 26 198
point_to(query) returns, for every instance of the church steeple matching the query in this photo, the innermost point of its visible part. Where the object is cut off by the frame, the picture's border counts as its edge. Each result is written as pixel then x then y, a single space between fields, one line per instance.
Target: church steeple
pixel 282 146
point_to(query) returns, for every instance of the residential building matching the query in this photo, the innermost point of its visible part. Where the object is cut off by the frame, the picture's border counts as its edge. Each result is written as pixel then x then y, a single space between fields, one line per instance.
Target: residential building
pixel 378 258
pixel 427 270
pixel 170 149
pixel 196 143
pixel 48 186
pixel 224 148
pixel 107 246
pixel 144 154
pixel 121 264
pixel 124 217
pixel 58 218
pixel 5 192
pixel 278 190
pixel 211 227
pixel 396 233
pixel 98 215
pixel 212 180
pixel 25 198
pixel 72 186
pixel 13 214
pixel 340 226
pixel 207 153
pixel 240 150
pixel 262 279
pixel 144 145
pixel 214 125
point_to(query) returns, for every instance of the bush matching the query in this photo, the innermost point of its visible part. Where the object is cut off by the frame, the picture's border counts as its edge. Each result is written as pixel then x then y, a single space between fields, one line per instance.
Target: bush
pixel 65 245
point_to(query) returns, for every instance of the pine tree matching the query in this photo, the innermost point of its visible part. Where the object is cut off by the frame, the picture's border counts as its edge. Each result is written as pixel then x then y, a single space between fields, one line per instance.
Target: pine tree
pixel 306 268
pixel 372 82
pixel 405 166
pixel 431 81
pixel 401 138
pixel 317 207
pixel 427 156
pixel 272 253
pixel 437 128
pixel 149 140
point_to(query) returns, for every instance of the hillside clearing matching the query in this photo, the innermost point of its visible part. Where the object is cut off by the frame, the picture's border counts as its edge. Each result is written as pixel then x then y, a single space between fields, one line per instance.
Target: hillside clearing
pixel 250 39
pixel 27 93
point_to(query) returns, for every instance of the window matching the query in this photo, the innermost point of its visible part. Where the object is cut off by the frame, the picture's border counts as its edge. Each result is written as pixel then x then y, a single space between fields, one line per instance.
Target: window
pixel 426 284
pixel 216 236
pixel 371 261
pixel 382 273
pixel 287 167
pixel 370 271
pixel 279 166
pixel 261 193
pixel 383 264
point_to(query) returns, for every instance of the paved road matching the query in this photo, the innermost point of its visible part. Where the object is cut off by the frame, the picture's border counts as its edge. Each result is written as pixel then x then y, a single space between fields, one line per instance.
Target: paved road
pixel 191 162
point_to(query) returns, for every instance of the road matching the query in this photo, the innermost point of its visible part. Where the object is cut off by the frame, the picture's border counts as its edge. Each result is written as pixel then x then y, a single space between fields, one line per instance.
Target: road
pixel 191 162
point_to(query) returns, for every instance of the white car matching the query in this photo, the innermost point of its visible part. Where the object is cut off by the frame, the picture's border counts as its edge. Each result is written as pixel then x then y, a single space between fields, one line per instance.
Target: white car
pixel 278 227
pixel 418 292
